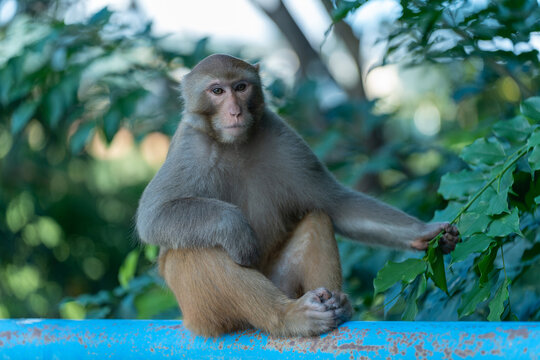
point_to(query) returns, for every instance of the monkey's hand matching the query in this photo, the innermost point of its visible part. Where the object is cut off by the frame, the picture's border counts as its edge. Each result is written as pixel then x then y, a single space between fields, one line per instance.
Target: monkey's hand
pixel 447 242
pixel 240 241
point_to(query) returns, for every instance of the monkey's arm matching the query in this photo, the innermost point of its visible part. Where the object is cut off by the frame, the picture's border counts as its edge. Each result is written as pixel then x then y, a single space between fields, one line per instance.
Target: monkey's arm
pixel 194 222
pixel 366 219
pixel 354 214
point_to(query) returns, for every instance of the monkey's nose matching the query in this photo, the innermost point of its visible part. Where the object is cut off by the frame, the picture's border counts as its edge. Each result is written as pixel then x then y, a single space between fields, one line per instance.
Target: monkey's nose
pixel 235 112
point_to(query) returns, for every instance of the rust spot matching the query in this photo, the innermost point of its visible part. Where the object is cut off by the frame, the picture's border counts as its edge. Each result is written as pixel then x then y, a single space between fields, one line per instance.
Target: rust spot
pixel 521 332
pixel 524 350
pixel 496 352
pixel 393 349
pixel 36 332
pixel 487 336
pixel 6 334
pixel 447 353
pixel 420 351
pixel 463 353
pixel 333 342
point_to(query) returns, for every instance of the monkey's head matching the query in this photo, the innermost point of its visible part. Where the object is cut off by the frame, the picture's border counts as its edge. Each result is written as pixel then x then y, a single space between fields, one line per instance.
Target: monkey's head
pixel 226 93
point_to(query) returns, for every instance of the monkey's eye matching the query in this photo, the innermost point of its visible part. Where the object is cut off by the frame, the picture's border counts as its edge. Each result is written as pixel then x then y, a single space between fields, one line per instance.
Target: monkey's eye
pixel 217 91
pixel 240 87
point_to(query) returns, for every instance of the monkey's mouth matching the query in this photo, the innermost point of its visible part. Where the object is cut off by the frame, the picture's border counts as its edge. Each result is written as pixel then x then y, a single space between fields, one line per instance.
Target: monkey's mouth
pixel 237 126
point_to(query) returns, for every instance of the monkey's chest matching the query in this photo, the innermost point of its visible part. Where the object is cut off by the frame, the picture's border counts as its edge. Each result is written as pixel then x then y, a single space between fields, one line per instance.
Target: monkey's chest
pixel 271 207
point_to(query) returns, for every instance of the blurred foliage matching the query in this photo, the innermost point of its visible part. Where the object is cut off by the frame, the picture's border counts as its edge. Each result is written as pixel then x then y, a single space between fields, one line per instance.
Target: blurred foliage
pixel 495 205
pixel 494 200
pixel 83 110
pixel 68 191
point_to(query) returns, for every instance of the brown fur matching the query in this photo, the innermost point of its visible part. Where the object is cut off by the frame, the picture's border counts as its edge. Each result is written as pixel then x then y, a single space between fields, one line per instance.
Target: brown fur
pixel 217 295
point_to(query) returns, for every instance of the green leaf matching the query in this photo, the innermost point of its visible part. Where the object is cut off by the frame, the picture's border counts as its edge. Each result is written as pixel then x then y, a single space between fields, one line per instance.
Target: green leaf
pixel 496 305
pixel 471 299
pixel 448 213
pixel 22 115
pixel 128 104
pixel 534 140
pixel 483 152
pixel 436 270
pixel 534 158
pixel 460 184
pixel 531 108
pixel 111 123
pixel 516 129
pixel 54 107
pixel 343 9
pixel 485 262
pixel 154 302
pixel 151 252
pixel 475 244
pixel 531 253
pixel 128 268
pixel 471 223
pixel 506 180
pixel 491 202
pixel 505 225
pixel 411 309
pixel 392 272
pixel 81 136
pixel 101 17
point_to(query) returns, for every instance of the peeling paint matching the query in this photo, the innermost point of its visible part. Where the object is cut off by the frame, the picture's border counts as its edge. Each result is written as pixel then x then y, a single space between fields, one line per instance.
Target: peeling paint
pixel 514 333
pixel 140 339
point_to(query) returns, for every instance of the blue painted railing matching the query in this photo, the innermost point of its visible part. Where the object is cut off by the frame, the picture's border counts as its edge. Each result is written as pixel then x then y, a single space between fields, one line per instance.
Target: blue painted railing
pixel 146 339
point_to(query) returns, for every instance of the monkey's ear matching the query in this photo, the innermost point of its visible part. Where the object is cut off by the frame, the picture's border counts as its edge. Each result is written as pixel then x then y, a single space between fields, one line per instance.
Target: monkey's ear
pixel 257 66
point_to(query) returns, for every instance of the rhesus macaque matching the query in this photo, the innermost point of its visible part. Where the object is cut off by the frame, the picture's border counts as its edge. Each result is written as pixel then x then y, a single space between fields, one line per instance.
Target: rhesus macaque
pixel 245 214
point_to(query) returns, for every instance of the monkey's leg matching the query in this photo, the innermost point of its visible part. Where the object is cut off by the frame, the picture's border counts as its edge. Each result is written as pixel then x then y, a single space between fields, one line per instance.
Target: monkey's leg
pixel 310 260
pixel 216 295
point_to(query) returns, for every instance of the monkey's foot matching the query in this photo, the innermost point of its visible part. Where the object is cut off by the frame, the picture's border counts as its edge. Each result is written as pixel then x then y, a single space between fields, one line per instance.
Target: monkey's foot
pixel 339 302
pixel 316 312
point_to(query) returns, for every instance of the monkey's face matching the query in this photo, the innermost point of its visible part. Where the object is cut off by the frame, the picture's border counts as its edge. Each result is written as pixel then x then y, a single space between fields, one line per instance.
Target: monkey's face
pixel 226 93
pixel 232 117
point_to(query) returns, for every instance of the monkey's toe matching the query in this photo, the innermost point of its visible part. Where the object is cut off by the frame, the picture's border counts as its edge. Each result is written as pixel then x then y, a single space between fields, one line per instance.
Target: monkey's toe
pixel 340 305
pixel 323 294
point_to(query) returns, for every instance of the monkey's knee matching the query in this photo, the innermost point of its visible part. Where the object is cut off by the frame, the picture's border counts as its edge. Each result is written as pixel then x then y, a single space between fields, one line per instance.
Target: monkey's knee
pixel 314 233
pixel 315 237
pixel 198 278
pixel 316 221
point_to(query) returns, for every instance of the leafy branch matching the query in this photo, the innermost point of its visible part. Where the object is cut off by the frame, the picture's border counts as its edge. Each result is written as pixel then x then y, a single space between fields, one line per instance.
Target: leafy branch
pixel 484 219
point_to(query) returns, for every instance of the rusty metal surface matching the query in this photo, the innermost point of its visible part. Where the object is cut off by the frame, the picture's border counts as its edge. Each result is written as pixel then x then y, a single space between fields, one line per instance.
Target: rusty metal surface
pixel 144 339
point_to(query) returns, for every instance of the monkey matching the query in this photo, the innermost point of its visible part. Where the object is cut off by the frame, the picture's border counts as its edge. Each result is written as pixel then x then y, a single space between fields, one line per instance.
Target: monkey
pixel 245 214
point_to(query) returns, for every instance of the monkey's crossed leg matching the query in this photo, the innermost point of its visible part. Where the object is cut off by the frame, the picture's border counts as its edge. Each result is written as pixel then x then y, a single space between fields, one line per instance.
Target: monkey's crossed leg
pixel 298 293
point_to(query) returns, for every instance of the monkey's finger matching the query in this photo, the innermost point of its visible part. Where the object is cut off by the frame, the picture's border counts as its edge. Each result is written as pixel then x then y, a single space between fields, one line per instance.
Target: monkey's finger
pixel 451 229
pixel 448 243
pixel 449 238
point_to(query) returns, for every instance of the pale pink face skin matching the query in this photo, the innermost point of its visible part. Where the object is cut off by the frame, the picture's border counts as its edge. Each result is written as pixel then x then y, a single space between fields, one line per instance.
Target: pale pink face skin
pixel 233 118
